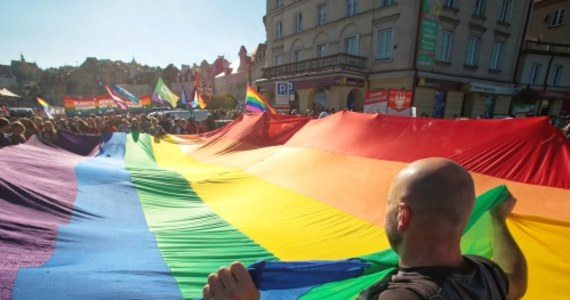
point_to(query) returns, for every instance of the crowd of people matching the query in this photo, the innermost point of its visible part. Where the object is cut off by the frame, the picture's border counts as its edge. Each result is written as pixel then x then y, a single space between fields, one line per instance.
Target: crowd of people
pixel 15 130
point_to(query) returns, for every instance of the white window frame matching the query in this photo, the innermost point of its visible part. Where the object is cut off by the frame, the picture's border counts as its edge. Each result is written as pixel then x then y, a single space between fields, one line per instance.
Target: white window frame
pixel 496 56
pixel 449 3
pixel 384 44
pixel 279 3
pixel 534 74
pixel 555 75
pixel 278 30
pixel 480 6
pixel 388 2
pixel 557 18
pixel 322 14
pixel 298 23
pixel 298 55
pixel 472 54
pixel 351 7
pixel 506 11
pixel 278 59
pixel 444 42
pixel 347 40
pixel 321 50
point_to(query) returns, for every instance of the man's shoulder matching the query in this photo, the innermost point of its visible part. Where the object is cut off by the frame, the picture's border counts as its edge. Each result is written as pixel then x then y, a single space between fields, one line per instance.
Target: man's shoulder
pixel 408 283
pixel 400 294
pixel 480 276
pixel 491 271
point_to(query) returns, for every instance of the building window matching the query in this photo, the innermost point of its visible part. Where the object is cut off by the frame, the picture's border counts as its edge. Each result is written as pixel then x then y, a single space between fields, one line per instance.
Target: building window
pixel 444 46
pixel 472 51
pixel 534 73
pixel 558 17
pixel 505 16
pixel 321 50
pixel 388 2
pixel 555 75
pixel 449 3
pixel 278 60
pixel 351 7
pixel 322 14
pixel 278 3
pixel 278 30
pixel 351 45
pixel 298 23
pixel 298 55
pixel 496 57
pixel 480 7
pixel 384 49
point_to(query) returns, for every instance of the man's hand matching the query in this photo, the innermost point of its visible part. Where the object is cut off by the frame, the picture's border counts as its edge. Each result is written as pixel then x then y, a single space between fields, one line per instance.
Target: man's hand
pixel 502 211
pixel 233 283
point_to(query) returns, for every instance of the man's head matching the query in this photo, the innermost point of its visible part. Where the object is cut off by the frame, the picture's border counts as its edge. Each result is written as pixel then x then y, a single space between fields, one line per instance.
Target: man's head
pixel 431 199
pixel 4 125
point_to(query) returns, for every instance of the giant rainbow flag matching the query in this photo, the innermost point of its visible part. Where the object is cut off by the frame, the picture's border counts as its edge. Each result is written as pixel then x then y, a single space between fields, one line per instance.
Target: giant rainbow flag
pixel 300 201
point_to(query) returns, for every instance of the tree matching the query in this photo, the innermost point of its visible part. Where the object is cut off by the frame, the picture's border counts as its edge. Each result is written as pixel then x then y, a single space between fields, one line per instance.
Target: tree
pixel 224 101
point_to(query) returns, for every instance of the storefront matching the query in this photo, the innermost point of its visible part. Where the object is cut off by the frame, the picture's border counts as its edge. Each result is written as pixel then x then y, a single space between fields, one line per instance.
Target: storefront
pixel 553 103
pixel 487 101
pixel 389 101
pixel 530 102
pixel 325 93
pixel 438 98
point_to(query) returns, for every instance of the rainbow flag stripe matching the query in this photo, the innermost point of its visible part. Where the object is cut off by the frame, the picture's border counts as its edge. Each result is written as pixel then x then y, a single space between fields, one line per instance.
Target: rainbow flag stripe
pixel 42 103
pixel 255 102
pixel 126 216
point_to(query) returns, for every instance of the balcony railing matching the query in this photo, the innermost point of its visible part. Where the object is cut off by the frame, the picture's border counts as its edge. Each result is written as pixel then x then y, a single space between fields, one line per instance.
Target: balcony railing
pixel 341 61
pixel 546 48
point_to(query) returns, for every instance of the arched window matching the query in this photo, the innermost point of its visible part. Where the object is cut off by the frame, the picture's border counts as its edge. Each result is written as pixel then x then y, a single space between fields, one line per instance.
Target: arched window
pixel 321 101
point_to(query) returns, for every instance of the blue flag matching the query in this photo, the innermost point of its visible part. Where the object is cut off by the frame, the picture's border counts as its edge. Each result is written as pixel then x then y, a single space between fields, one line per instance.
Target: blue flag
pixel 121 92
pixel 183 97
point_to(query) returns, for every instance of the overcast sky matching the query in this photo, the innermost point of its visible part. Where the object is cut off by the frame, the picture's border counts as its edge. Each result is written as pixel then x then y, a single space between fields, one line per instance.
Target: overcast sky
pixel 54 33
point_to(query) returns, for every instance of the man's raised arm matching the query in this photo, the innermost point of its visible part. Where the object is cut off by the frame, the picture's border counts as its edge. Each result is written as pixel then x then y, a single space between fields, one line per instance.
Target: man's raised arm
pixel 506 252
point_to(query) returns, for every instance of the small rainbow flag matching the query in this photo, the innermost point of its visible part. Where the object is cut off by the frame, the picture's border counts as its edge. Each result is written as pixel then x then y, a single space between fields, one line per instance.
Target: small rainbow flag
pixel 198 101
pixel 45 107
pixel 255 102
pixel 43 103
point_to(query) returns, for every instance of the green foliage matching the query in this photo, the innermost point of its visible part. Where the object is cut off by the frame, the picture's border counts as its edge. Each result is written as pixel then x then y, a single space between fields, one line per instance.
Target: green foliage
pixel 225 101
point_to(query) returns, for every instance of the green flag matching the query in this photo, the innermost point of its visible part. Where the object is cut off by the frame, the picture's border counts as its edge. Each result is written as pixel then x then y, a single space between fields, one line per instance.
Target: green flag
pixel 163 94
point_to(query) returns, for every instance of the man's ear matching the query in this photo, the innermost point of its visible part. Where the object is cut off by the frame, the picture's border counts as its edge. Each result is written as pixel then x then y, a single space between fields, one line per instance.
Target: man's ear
pixel 404 215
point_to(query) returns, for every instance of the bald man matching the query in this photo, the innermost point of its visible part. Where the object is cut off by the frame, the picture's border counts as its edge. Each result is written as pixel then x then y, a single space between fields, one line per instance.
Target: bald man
pixel 429 204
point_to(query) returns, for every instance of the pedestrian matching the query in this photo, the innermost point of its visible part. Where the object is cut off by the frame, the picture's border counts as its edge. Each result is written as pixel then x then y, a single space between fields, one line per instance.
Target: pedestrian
pixel 18 133
pixel 4 137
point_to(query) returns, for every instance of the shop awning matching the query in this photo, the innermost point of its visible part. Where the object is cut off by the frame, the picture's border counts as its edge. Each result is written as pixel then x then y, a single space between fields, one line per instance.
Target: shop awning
pixel 7 93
